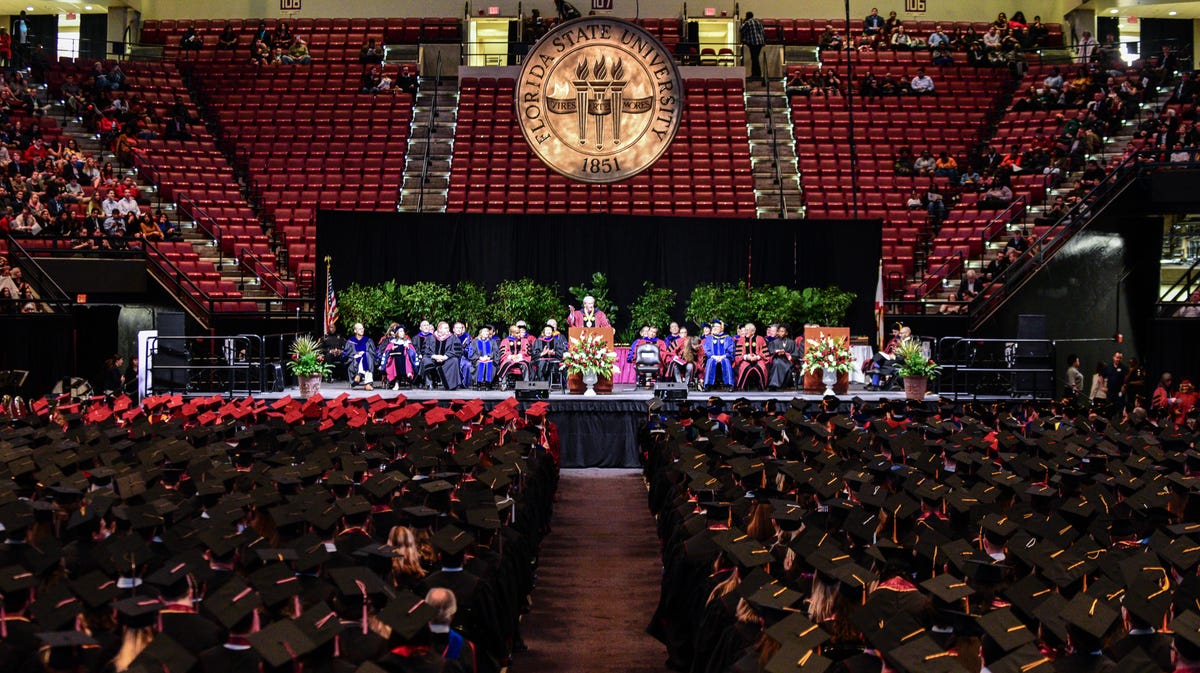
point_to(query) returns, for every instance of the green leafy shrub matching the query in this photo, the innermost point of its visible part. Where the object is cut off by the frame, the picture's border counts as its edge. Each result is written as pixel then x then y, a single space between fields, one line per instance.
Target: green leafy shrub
pixel 526 300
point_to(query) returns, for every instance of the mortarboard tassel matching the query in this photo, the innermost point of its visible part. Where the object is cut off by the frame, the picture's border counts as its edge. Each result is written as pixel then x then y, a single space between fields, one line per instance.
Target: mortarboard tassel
pixel 363 588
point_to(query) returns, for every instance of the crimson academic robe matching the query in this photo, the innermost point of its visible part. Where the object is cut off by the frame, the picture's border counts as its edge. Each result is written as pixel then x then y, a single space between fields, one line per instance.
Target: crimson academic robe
pixel 594 319
pixel 514 357
pixel 751 370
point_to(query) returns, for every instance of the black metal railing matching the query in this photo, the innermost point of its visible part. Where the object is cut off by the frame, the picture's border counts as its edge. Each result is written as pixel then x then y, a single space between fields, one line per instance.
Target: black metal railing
pixel 235 364
pixel 429 128
pixel 1018 368
pixel 1000 289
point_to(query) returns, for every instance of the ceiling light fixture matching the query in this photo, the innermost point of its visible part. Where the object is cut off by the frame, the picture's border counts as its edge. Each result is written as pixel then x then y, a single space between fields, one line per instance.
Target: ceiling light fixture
pixel 1113 10
pixel 1172 13
pixel 29 8
pixel 87 8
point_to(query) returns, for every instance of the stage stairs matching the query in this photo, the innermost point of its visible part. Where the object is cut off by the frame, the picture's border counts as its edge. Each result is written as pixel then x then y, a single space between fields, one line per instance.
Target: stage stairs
pixel 426 180
pixel 777 193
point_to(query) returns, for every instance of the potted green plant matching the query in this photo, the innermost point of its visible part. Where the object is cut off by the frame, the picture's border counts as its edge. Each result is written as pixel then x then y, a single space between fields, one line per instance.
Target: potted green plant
pixel 588 362
pixel 914 368
pixel 829 361
pixel 308 364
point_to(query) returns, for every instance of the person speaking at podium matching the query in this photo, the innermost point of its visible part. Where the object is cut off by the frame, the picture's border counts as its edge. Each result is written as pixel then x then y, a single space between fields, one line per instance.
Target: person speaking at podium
pixel 588 316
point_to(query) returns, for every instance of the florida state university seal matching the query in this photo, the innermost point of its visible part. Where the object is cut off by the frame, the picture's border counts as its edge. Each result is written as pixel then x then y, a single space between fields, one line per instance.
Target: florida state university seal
pixel 599 99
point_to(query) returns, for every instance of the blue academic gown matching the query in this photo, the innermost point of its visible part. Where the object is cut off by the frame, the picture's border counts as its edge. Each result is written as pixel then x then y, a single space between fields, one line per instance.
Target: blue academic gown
pixel 466 366
pixel 718 345
pixel 484 371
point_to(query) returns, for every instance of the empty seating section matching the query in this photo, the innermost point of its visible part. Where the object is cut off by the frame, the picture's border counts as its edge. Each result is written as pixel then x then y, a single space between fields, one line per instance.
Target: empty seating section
pixel 329 40
pixel 706 171
pixel 306 147
pixel 954 120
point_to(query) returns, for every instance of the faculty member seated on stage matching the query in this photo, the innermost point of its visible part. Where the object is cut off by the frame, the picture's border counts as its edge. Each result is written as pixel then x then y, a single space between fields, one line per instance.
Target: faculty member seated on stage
pixel 361 356
pixel 514 356
pixel 483 355
pixel 685 357
pixel 441 357
pixel 719 351
pixel 784 352
pixel 752 359
pixel 466 365
pixel 548 351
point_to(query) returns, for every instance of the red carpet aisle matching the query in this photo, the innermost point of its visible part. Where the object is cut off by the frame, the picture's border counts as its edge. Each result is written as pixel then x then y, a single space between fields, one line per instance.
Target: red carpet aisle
pixel 598 580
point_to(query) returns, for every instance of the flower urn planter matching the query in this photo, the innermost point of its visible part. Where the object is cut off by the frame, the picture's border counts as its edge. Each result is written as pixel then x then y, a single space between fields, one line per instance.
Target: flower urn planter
pixel 915 387
pixel 576 386
pixel 309 386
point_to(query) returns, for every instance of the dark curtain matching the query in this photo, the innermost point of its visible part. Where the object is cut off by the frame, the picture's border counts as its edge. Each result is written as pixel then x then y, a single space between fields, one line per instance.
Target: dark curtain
pixel 1173 33
pixel 93 36
pixel 678 253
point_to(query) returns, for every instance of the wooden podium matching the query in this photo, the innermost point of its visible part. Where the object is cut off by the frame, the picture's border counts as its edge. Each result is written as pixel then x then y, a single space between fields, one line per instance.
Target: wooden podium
pixel 606 333
pixel 814 333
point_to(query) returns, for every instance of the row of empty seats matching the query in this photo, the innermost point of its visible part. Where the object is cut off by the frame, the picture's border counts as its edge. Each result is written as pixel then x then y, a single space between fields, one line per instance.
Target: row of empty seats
pixel 706 171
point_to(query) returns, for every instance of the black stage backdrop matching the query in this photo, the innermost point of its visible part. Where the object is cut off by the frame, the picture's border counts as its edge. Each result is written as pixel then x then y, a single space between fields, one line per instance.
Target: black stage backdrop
pixel 677 253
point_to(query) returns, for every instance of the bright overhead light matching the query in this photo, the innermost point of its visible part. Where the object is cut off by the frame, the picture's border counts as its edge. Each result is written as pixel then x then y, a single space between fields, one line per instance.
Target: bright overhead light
pixel 1172 13
pixel 29 8
pixel 87 8
pixel 1113 10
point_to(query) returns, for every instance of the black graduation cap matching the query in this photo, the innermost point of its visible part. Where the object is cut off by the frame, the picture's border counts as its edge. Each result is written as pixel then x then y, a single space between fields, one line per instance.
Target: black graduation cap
pixel 407 614
pixel 452 540
pixel 795 659
pixel 1024 659
pixel 1091 615
pixel 55 608
pixel 138 611
pixel 356 581
pixel 320 623
pixel 65 648
pixel 1186 627
pixel 95 588
pixel 281 642
pixel 275 583
pixel 232 603
pixel 924 655
pixel 164 655
pixel 948 588
pixel 1005 629
pixel 798 631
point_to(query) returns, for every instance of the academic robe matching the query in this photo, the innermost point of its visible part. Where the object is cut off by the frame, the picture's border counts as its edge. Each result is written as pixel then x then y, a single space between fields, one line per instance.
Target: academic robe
pixel 548 362
pixel 421 660
pixel 360 350
pixel 683 366
pixel 450 347
pixel 223 659
pixel 783 361
pixel 418 342
pixel 594 319
pixel 399 360
pixel 752 370
pixel 485 369
pixel 514 357
pixel 466 365
pixel 719 352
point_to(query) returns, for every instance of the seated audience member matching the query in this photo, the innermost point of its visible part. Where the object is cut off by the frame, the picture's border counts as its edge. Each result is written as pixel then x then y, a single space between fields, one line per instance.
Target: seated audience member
pixel 870 85
pixel 227 40
pixel 946 167
pixel 925 164
pixel 892 24
pixel 830 39
pixel 191 40
pixel 873 25
pixel 904 161
pixel 373 80
pixel 970 179
pixel 914 201
pixel 998 195
pixel 921 83
pixel 938 38
pixel 798 85
pixel 992 40
pixel 1037 34
pixel 996 266
pixel 260 52
pixel 282 36
pixel 1053 215
pixel 370 54
pixel 968 289
pixel 297 52
pixel 900 39
pixel 407 81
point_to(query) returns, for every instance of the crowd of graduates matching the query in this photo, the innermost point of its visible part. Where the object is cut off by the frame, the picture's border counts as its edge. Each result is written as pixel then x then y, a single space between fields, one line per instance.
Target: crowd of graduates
pixel 866 537
pixel 217 536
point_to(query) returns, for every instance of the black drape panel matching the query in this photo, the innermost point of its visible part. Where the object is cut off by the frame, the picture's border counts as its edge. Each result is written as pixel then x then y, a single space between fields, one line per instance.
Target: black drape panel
pixel 678 253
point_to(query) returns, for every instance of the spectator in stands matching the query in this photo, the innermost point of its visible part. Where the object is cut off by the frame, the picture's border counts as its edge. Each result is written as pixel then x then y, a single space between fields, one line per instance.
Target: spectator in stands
pixel 870 86
pixel 1021 241
pixel 227 40
pixel 128 204
pixel 891 23
pixel 925 164
pixel 935 204
pixel 940 57
pixel 998 195
pixel 191 40
pixel 914 201
pixel 938 38
pixel 169 231
pixel 901 40
pixel 1053 215
pixel 72 95
pixel 970 179
pixel 830 39
pixel 996 266
pixel 754 36
pixel 370 54
pixel 282 37
pixel 873 26
pixel 1091 175
pixel 1085 47
pixel 799 85
pixel 828 82
pixel 297 52
pixel 946 167
pixel 903 164
pixel 373 80
pixel 1037 34
pixel 921 84
pixel 263 34
pixel 968 288
pixel 1180 155
pixel 260 52
pixel 407 81
pixel 566 11
pixel 26 225
pixel 147 229
pixel 992 40
pixel 111 203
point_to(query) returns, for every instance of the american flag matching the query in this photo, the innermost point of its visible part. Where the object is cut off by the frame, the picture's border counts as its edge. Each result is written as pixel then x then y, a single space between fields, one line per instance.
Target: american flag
pixel 331 310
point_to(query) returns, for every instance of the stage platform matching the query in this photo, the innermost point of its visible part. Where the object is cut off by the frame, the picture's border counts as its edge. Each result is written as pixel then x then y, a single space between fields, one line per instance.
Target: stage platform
pixel 621 393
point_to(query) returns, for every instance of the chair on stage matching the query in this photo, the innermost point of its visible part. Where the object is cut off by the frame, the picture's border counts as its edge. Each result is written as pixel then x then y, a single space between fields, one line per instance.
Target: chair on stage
pixel 647 363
